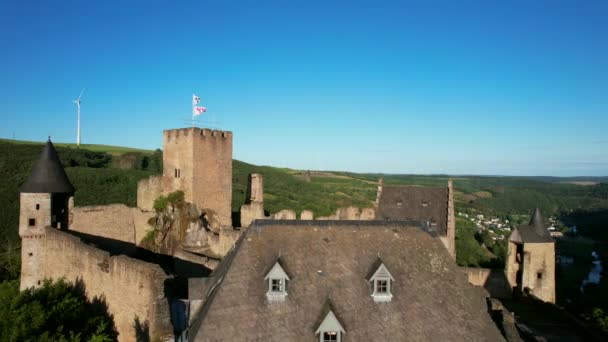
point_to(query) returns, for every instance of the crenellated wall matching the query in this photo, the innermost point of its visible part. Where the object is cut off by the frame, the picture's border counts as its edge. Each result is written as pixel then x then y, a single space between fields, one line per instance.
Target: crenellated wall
pixel 132 289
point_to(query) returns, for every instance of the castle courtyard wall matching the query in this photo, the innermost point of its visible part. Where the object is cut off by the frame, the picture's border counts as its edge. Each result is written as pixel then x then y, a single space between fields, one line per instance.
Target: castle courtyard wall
pixel 114 221
pixel 132 289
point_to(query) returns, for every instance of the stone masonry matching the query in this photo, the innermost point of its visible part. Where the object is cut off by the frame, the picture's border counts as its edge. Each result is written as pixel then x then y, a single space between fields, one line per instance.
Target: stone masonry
pixel 199 163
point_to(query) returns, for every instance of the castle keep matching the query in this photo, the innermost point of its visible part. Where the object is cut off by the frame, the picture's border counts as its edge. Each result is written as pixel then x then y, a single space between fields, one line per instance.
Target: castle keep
pixel 198 162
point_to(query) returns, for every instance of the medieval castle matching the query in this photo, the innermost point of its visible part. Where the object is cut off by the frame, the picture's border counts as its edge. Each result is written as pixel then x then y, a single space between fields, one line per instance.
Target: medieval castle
pixel 386 272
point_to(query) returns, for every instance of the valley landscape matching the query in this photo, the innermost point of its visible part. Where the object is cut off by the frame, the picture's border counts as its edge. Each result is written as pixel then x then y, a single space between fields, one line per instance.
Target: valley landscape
pixel 487 207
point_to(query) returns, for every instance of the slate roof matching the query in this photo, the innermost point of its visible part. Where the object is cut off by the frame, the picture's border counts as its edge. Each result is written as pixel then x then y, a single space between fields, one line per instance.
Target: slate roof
pixel 328 262
pixel 534 232
pixel 48 175
pixel 412 207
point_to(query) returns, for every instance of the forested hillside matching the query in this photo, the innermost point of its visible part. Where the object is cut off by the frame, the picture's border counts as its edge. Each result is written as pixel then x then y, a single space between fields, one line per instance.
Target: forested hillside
pixel 103 178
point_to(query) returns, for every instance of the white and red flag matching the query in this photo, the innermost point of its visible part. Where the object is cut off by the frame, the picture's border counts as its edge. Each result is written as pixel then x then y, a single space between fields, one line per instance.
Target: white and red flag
pixel 198 110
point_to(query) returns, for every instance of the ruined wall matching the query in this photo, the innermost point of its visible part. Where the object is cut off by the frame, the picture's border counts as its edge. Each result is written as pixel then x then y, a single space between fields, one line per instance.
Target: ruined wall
pixel 351 213
pixel 114 221
pixel 307 215
pixel 254 201
pixel 199 162
pixel 132 289
pixel 251 212
pixel 255 188
pixel 285 214
pixel 494 281
pixel 148 190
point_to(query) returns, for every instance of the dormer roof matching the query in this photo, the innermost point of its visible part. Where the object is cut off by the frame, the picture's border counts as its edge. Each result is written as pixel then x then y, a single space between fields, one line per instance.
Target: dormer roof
pixel 330 322
pixel 277 272
pixel 378 270
pixel 48 175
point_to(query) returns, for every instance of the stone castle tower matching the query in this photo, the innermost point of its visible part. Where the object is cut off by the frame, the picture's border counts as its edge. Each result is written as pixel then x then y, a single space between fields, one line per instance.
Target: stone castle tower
pixel 45 201
pixel 199 162
pixel 530 265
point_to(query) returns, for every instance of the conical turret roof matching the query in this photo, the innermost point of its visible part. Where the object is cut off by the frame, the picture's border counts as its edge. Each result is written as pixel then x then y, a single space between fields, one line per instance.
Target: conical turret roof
pixel 538 223
pixel 535 231
pixel 48 175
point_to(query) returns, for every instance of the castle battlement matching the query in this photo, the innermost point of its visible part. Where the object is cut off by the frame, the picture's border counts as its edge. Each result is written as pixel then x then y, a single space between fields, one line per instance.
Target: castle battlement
pixel 195 131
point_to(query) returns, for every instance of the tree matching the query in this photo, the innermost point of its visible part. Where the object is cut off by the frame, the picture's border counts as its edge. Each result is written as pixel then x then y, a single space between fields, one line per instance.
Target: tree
pixel 57 311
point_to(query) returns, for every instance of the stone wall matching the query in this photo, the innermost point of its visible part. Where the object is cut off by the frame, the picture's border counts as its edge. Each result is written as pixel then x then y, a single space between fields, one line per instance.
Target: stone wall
pixel 199 162
pixel 114 221
pixel 251 212
pixel 538 273
pixel 539 270
pixel 494 281
pixel 307 215
pixel 450 239
pixel 285 214
pixel 254 201
pixel 148 190
pixel 351 213
pixel 133 289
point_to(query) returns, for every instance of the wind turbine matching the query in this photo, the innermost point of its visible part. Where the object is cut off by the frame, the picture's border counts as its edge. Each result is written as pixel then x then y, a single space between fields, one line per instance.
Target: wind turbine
pixel 77 102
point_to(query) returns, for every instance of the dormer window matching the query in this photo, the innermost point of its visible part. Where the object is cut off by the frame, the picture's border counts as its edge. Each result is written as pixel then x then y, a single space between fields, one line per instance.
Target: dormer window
pixel 277 283
pixel 330 330
pixel 382 281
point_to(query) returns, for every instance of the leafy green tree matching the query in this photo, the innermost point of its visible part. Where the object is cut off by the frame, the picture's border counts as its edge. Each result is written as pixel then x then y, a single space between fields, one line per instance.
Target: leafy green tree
pixel 57 311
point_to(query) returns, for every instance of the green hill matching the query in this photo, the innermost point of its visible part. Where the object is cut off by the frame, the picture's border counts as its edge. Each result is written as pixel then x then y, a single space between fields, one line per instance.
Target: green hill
pixel 110 175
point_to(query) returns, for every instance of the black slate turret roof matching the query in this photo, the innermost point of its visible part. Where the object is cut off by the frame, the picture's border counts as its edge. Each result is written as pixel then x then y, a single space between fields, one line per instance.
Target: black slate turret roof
pixel 48 175
pixel 533 232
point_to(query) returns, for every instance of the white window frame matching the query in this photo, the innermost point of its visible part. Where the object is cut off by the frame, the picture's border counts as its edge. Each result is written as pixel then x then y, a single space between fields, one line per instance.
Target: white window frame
pixel 330 324
pixel 277 273
pixel 382 274
pixel 337 334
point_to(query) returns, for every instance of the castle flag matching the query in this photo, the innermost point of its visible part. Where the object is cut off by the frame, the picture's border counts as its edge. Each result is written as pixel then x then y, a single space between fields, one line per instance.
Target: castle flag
pixel 199 110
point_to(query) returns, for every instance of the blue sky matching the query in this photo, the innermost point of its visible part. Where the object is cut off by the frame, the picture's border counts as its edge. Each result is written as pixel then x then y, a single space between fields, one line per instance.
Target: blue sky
pixel 460 87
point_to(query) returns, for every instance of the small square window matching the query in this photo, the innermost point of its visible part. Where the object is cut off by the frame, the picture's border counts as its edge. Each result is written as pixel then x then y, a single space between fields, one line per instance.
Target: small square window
pixel 330 336
pixel 30 254
pixel 277 285
pixel 32 222
pixel 382 286
pixel 539 275
pixel 37 206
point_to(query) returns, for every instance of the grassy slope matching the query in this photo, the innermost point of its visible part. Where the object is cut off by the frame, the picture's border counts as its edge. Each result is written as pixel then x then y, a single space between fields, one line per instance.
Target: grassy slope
pixel 114 150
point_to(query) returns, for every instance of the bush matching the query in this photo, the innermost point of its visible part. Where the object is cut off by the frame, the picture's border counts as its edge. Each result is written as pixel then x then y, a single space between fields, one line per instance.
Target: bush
pixel 160 204
pixel 57 311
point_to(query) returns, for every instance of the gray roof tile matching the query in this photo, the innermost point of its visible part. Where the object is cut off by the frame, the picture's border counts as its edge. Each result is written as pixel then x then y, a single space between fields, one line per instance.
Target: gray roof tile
pixel 328 262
